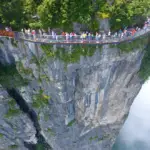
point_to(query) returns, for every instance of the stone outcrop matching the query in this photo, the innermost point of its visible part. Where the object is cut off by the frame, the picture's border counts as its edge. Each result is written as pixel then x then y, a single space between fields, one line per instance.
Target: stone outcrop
pixel 81 94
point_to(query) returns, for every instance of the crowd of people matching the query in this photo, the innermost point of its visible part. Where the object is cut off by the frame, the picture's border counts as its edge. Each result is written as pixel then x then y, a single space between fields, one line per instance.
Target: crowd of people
pixel 52 34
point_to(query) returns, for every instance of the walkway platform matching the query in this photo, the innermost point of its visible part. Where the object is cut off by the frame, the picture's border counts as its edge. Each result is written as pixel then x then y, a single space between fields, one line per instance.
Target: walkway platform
pixel 48 39
pixel 59 39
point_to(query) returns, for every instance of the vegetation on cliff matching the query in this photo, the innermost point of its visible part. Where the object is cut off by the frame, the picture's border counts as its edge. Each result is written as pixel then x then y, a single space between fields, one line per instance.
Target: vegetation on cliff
pixel 145 69
pixel 62 13
pixel 71 56
pixel 9 77
pixel 13 110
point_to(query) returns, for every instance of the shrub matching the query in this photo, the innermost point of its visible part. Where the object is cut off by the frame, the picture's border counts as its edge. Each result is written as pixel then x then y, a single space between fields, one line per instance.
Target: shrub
pixel 13 110
pixel 71 123
pixel 14 146
pixel 40 99
pixel 1 135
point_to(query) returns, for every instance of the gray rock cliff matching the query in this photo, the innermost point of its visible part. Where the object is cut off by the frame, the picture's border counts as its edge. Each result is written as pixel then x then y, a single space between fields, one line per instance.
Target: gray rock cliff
pixel 81 94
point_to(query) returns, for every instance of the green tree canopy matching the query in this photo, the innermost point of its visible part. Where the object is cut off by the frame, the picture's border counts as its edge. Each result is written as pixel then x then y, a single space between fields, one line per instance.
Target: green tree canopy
pixel 62 13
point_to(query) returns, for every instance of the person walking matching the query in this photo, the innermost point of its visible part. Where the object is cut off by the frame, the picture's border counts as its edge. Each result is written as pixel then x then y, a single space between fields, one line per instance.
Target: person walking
pixel 109 33
pixel 97 36
pixel 104 36
pixel 67 36
pixel 33 34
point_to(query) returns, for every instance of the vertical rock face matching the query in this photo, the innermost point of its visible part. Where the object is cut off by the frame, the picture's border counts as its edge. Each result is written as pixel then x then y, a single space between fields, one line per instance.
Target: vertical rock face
pixel 15 127
pixel 82 95
pixel 104 24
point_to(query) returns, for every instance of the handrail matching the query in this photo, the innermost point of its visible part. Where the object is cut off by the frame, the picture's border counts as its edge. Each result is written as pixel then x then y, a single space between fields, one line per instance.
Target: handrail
pixel 80 40
pixel 77 39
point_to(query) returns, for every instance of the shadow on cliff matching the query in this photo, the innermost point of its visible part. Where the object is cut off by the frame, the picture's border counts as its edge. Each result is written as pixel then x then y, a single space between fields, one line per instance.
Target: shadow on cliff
pixel 145 66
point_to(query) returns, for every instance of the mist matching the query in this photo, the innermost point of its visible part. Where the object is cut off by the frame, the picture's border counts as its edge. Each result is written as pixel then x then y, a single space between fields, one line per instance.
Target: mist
pixel 135 134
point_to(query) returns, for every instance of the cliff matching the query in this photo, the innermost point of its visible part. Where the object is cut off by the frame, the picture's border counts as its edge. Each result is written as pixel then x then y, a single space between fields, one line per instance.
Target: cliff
pixel 66 97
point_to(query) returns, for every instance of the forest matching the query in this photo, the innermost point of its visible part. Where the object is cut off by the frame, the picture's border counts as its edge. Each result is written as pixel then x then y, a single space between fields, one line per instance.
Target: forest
pixel 62 13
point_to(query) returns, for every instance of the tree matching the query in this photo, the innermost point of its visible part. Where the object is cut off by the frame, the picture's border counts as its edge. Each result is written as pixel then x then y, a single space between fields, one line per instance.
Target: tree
pixel 17 14
pixel 11 13
pixel 127 13
pixel 63 13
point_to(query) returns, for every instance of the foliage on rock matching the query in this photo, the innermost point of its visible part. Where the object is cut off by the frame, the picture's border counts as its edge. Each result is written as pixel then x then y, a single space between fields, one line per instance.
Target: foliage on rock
pixel 13 110
pixel 1 135
pixel 131 45
pixel 9 77
pixel 69 56
pixel 40 99
pixel 71 123
pixel 144 72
